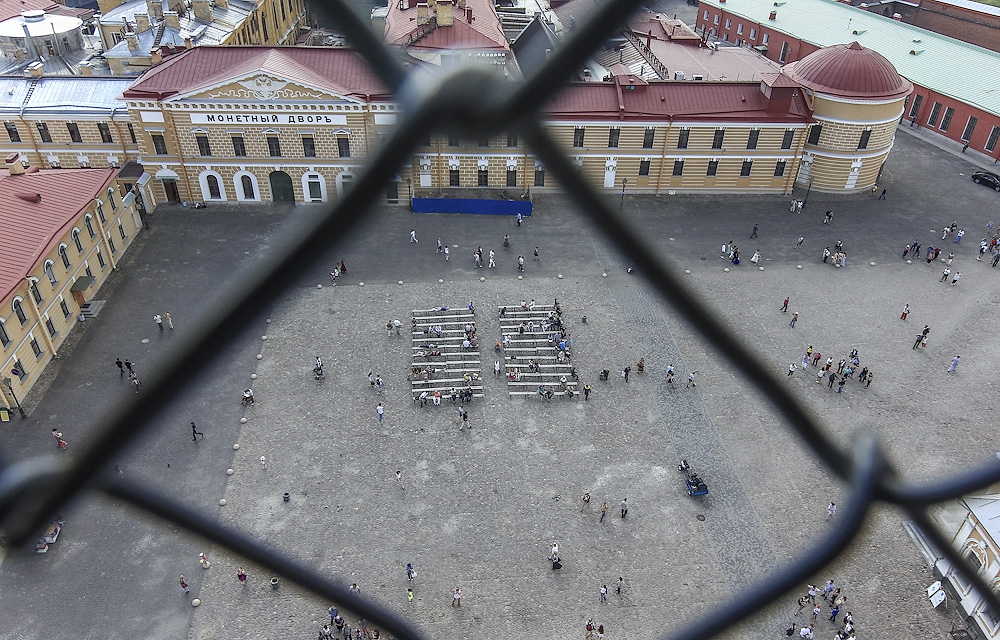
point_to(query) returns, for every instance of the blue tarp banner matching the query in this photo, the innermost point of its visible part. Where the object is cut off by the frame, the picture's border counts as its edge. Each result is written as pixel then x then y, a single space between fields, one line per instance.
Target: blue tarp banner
pixel 482 207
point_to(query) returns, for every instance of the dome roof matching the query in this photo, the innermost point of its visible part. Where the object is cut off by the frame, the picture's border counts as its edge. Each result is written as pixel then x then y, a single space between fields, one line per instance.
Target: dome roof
pixel 849 71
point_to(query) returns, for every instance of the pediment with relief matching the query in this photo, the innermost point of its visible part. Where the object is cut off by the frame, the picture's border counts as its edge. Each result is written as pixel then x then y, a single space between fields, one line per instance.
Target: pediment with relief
pixel 263 87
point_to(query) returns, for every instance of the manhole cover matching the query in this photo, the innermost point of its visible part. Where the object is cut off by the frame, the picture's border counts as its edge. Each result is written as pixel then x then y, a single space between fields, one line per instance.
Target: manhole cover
pixel 700 517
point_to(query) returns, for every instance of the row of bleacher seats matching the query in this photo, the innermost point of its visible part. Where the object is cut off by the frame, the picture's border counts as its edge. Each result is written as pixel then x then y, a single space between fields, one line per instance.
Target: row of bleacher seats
pixel 442 357
pixel 520 348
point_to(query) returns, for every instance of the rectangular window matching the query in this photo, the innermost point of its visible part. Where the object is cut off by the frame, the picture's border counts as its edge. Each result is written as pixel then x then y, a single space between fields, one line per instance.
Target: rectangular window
pixel 613 135
pixel 4 338
pixel 706 14
pixel 715 19
pixel 764 38
pixel 64 307
pixel 239 148
pixel 511 177
pixel 159 146
pixel 74 132
pixel 273 146
pixel 454 178
pixel 539 177
pixel 678 168
pixel 946 120
pixel 308 147
pixel 453 141
pixel 713 168
pixel 483 141
pixel 682 138
pixel 865 137
pixel 991 142
pixel 89 272
pixel 786 140
pixel 484 178
pixel 50 326
pixel 43 131
pixel 131 133
pixel 729 23
pixel 752 140
pixel 932 120
pixel 511 140
pixel 111 243
pixel 578 137
pixel 100 258
pixel 745 170
pixel 779 168
pixel 720 136
pixel 22 372
pixel 34 346
pixel 105 131
pixel 753 34
pixel 203 147
pixel 644 167
pixel 739 29
pixel 12 131
pixel 315 190
pixel 121 232
pixel 35 293
pixel 814 133
pixel 970 127
pixel 915 107
pixel 344 147
pixel 647 138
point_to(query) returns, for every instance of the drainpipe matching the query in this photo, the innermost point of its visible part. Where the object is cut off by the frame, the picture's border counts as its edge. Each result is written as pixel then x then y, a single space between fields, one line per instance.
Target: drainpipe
pixel 663 156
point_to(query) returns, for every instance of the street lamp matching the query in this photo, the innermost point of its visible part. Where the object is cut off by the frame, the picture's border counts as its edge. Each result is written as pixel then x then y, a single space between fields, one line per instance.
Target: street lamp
pixel 20 410
pixel 808 189
pixel 624 182
pixel 409 191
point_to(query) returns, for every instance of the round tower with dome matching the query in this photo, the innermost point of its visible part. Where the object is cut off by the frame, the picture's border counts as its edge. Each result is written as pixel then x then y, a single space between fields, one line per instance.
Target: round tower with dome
pixel 858 97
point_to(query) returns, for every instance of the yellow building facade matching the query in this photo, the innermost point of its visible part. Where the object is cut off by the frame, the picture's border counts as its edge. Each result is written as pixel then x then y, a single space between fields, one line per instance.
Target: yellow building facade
pixel 72 227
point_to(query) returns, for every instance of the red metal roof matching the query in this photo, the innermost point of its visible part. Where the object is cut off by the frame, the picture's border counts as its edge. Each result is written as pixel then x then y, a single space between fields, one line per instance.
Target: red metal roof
pixel 483 33
pixel 338 71
pixel 678 101
pixel 29 230
pixel 849 71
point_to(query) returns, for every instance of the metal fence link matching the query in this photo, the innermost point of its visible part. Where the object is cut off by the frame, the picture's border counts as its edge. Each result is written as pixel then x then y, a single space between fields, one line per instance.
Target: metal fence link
pixel 469 100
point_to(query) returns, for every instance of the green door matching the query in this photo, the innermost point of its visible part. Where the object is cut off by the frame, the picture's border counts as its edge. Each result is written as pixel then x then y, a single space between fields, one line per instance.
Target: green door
pixel 281 187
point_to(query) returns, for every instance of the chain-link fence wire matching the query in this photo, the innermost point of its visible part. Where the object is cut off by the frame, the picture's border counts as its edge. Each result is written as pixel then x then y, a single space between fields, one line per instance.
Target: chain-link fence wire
pixel 469 101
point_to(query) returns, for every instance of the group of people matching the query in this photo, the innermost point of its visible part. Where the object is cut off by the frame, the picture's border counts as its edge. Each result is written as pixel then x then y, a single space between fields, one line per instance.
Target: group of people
pixel 337 272
pixel 836 601
pixel 846 368
pixel 838 255
pixel 732 253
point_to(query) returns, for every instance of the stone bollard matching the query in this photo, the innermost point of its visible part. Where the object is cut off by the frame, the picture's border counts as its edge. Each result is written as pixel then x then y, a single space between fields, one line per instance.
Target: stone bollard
pixel 274 583
pixel 286 497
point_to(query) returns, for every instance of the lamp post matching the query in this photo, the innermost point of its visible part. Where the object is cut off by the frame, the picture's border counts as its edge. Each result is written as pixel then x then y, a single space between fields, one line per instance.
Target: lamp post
pixel 20 410
pixel 624 182
pixel 809 187
pixel 409 191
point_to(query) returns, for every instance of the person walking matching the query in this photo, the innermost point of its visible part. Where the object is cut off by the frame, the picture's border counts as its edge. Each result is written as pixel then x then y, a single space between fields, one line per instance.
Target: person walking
pixel 795 318
pixel 604 511
pixel 831 510
pixel 784 306
pixel 944 276
pixel 535 259
pixel 791 370
pixel 413 236
pixel 604 594
pixel 410 572
pixel 128 365
pixel 446 253
pixel 840 385
pixel 624 507
pixel 493 262
pixel 585 501
pixel 159 321
pixel 170 321
pixel 954 279
pixel 520 263
pixel 798 243
pixel 241 575
pixel 954 364
pixel 136 383
pixel 121 368
pixel 399 481
pixel 620 585
pixel 184 585
pixel 906 312
pixel 871 376
pixel 882 196
pixel 753 234
pixel 456 593
pixel 586 392
pixel 195 433
pixel 519 218
pixel 440 248
pixel 59 439
pixel 919 339
pixel 379 411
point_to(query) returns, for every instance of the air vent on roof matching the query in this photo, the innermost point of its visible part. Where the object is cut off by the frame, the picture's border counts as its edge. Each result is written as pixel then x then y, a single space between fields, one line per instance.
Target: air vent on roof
pixel 916 52
pixel 859 32
pixel 917 40
pixel 697 76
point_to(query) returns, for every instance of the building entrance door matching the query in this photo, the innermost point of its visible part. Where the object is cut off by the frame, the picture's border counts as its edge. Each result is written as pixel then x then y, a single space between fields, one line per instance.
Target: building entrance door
pixel 170 188
pixel 281 187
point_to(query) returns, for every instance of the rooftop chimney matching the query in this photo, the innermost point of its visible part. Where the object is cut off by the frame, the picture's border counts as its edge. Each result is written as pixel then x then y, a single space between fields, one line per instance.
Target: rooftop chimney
pixel 13 162
pixel 141 22
pixel 897 16
pixel 155 56
pixel 172 19
pixel 133 41
pixel 36 70
pixel 468 15
pixel 29 197
pixel 202 11
pixel 773 16
pixel 863 6
pixel 188 42
pixel 422 13
pixel 86 69
pixel 154 8
pixel 444 15
pixel 222 4
pixel 104 6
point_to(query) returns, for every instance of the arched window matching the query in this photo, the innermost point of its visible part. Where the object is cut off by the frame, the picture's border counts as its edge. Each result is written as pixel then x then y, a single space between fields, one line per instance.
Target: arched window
pixel 19 311
pixel 76 241
pixel 111 198
pixel 100 211
pixel 88 220
pixel 213 187
pixel 247 183
pixel 33 289
pixel 49 272
pixel 64 256
pixel 4 338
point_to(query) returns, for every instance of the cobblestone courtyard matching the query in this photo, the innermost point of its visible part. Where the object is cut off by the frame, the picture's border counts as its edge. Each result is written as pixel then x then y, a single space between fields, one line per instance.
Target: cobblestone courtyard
pixel 483 505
